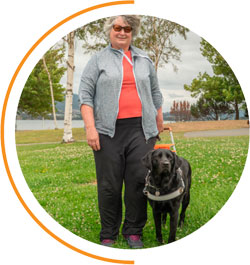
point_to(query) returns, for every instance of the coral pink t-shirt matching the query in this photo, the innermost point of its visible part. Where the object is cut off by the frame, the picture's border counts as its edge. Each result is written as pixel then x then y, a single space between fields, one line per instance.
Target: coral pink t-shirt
pixel 129 102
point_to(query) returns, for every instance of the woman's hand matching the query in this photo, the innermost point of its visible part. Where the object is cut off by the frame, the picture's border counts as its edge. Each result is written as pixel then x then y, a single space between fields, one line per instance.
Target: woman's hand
pixel 92 134
pixel 93 138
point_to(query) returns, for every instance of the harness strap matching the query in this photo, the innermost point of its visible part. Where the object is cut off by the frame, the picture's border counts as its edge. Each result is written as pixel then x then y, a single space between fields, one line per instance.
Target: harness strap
pixel 166 197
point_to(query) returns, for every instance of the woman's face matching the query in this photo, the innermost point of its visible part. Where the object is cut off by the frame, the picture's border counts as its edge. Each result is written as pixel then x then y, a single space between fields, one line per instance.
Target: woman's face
pixel 121 39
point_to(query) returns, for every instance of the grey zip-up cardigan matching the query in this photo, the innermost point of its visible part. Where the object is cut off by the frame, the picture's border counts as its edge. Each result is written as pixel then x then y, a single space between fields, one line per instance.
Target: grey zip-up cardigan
pixel 101 83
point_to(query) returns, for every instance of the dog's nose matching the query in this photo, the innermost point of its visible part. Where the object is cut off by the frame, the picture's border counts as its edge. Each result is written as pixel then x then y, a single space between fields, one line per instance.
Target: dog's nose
pixel 165 162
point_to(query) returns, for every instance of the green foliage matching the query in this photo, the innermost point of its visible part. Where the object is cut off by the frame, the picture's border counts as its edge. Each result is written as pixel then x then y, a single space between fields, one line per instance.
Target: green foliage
pixel 211 102
pixel 35 98
pixel 219 64
pixel 62 178
pixel 231 89
pixel 209 109
pixel 219 93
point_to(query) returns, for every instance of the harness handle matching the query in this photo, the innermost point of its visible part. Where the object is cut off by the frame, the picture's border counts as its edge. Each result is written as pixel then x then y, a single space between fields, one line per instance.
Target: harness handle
pixel 166 146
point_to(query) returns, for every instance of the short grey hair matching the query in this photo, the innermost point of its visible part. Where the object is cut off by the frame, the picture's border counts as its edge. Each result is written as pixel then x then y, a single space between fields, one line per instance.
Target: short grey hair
pixel 133 20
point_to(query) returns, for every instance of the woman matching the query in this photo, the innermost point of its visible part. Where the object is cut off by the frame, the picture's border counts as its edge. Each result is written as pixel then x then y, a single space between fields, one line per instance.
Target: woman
pixel 121 108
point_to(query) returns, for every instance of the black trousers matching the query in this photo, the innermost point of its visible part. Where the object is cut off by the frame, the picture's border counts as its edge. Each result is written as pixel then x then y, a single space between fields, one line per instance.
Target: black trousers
pixel 118 162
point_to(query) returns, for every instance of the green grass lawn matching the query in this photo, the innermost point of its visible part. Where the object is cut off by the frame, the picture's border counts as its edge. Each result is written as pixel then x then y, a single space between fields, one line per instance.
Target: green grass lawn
pixel 44 136
pixel 62 178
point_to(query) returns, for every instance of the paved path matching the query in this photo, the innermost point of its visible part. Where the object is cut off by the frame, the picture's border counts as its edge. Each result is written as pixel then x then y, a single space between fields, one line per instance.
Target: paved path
pixel 214 133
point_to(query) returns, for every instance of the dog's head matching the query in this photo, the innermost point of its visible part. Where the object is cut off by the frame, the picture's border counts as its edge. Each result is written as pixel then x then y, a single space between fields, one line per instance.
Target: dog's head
pixel 162 162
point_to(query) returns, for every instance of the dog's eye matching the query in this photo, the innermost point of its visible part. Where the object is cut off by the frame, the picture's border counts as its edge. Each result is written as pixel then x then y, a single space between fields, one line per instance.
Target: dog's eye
pixel 154 161
pixel 169 157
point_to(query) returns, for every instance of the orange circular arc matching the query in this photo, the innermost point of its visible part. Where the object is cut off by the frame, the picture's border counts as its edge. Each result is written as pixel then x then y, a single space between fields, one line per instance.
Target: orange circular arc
pixel 2 133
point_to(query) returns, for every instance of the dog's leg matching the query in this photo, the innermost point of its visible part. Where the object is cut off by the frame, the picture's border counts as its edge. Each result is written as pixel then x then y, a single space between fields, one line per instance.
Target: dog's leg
pixel 164 219
pixel 185 204
pixel 157 219
pixel 173 226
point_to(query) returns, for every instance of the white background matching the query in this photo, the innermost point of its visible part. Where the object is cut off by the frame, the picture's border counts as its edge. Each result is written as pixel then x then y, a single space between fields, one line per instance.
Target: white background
pixel 224 239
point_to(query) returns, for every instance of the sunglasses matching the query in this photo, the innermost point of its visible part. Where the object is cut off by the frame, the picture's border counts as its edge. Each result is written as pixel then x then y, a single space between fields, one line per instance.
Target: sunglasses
pixel 118 28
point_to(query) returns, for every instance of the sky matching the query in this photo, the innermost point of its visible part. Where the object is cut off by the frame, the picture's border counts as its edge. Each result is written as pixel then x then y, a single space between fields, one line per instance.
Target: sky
pixel 171 83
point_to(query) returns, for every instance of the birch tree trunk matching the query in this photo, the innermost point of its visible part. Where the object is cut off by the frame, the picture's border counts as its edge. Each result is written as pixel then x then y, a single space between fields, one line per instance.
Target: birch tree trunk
pixel 51 92
pixel 67 136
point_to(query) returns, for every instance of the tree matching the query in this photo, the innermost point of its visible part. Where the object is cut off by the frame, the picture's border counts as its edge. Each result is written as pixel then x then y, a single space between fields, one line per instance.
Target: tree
pixel 231 87
pixel 67 135
pixel 35 99
pixel 93 36
pixel 209 109
pixel 51 91
pixel 211 101
pixel 181 110
pixel 156 38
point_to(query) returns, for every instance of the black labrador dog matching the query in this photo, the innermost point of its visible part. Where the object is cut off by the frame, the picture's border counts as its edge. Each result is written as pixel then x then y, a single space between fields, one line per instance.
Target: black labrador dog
pixel 167 186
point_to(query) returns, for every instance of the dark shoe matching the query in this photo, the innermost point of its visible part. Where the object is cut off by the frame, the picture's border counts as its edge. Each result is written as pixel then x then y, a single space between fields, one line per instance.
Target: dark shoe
pixel 107 242
pixel 134 241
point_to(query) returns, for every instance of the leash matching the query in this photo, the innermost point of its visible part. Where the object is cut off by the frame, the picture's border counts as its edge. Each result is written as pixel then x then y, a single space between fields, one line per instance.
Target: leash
pixel 166 197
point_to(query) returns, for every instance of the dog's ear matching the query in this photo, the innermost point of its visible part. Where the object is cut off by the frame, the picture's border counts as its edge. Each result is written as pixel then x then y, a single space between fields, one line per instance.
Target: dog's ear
pixel 147 160
pixel 177 161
